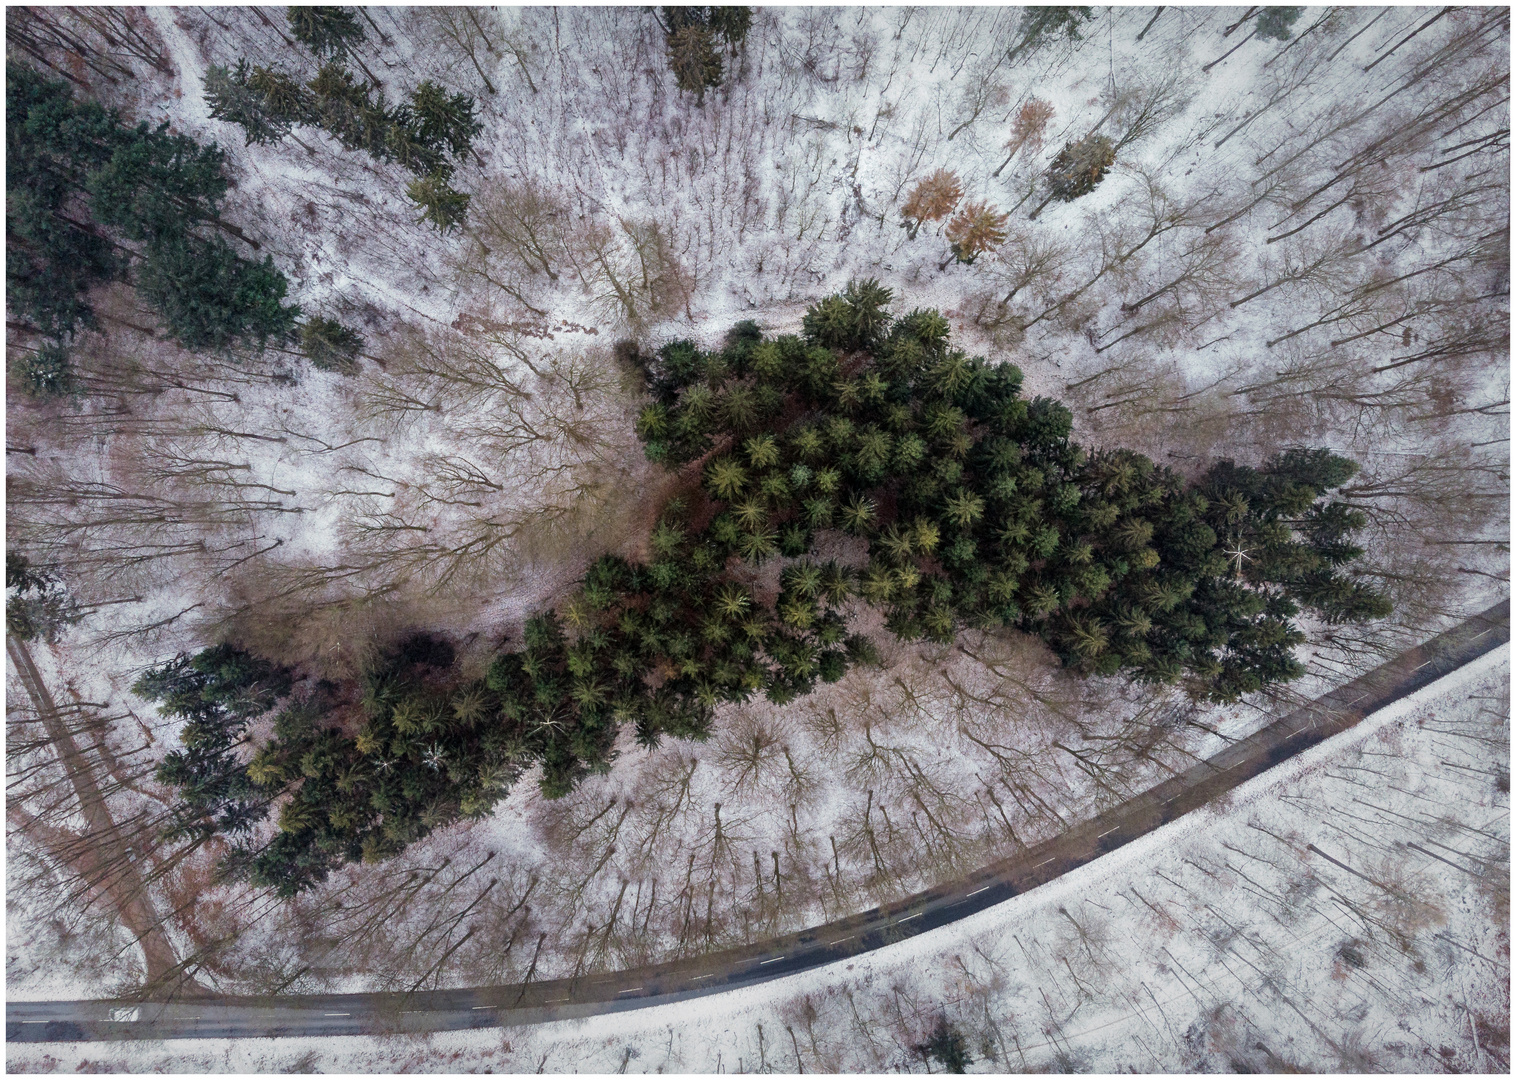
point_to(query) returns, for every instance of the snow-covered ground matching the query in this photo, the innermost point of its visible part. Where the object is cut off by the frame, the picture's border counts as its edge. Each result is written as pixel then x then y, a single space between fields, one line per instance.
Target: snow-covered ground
pixel 1228 941
pixel 310 521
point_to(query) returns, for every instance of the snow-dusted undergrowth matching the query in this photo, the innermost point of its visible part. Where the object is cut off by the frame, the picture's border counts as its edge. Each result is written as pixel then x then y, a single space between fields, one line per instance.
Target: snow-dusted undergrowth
pixel 1275 229
pixel 1220 943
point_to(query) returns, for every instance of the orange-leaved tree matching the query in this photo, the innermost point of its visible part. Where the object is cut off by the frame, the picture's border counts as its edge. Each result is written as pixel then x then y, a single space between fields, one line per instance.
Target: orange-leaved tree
pixel 975 229
pixel 931 199
pixel 1027 130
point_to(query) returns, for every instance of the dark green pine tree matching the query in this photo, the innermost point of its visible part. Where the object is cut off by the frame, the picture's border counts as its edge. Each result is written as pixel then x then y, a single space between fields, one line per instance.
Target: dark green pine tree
pixel 693 59
pixel 286 101
pixel 156 186
pixel 946 1046
pixel 440 203
pixel 404 143
pixel 1041 24
pixel 328 32
pixel 442 120
pixel 37 605
pixel 1274 22
pixel 348 109
pixel 211 298
pixel 732 24
pixel 263 117
pixel 690 36
pixel 222 680
pixel 54 252
pixel 329 345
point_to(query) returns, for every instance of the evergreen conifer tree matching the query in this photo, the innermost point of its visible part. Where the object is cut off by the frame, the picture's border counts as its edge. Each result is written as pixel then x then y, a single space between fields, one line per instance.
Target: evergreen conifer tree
pixel 45 372
pixel 946 1047
pixel 439 202
pixel 286 100
pixel 1039 24
pixel 231 97
pixel 157 186
pixel 732 23
pixel 329 32
pixel 37 605
pixel 347 108
pixel 1077 168
pixel 1275 22
pixel 211 298
pixel 690 35
pixel 329 345
pixel 443 120
pixel 693 59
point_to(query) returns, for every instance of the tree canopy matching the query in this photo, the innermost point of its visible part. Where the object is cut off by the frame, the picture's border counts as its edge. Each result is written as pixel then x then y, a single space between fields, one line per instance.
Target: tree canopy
pixel 976 510
pixel 90 199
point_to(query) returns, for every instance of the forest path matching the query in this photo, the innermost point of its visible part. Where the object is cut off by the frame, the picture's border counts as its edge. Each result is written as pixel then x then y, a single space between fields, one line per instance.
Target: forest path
pixel 101 854
pixel 562 999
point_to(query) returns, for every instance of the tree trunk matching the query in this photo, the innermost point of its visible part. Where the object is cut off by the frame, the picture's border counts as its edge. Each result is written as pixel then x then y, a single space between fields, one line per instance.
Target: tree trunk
pixel 122 883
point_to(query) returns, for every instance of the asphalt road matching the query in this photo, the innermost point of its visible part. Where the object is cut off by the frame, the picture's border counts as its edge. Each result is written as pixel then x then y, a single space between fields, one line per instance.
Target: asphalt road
pixel 490 1006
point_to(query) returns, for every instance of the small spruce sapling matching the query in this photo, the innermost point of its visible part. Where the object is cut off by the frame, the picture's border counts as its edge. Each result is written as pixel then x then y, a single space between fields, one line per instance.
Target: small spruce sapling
pixel 438 201
pixel 1041 24
pixel 37 605
pixel 1077 169
pixel 946 1046
pixel 329 345
pixel 328 32
pixel 45 372
pixel 1274 22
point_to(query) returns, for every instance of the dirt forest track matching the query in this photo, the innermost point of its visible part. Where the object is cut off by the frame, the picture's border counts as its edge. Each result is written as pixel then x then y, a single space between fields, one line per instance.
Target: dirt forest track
pixel 536 1002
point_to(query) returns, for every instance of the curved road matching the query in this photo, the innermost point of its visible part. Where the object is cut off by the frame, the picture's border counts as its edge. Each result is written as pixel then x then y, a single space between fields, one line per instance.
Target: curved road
pixel 440 1010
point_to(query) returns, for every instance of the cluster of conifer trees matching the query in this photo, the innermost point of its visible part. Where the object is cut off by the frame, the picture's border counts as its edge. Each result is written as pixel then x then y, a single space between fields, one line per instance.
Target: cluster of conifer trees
pixel 690 36
pixel 976 509
pixel 427 134
pixel 90 199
